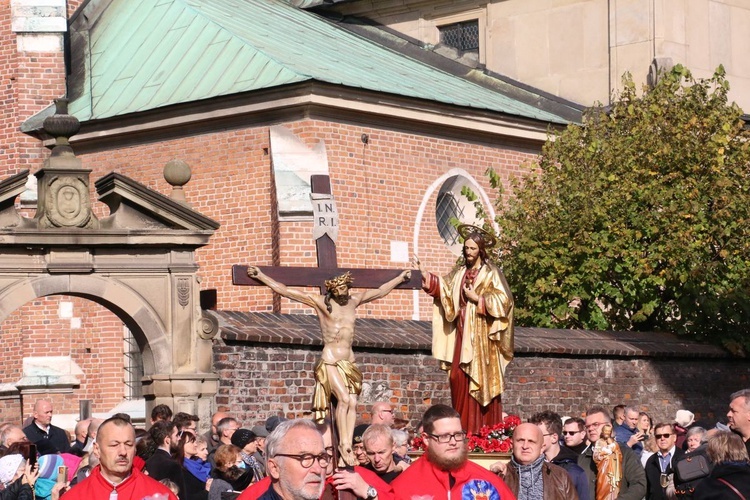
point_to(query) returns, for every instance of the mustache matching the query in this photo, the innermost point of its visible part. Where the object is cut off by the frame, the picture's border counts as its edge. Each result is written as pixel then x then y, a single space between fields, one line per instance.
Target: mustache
pixel 315 478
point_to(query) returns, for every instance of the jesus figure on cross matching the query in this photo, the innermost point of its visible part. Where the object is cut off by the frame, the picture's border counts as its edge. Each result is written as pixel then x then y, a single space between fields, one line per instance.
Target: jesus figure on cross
pixel 335 372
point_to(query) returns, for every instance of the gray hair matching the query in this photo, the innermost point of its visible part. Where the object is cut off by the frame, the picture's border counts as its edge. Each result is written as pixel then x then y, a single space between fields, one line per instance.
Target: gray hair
pixel 400 437
pixel 697 430
pixel 224 424
pixel 273 441
pixel 632 409
pixel 375 431
pixel 744 393
pixel 6 433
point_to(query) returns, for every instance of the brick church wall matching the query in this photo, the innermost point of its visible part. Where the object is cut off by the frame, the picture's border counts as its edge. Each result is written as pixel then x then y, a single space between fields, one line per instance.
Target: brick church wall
pixel 378 189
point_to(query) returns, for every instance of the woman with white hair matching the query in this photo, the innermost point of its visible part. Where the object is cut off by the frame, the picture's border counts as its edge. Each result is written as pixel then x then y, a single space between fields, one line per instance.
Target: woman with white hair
pixel 694 438
pixel 401 445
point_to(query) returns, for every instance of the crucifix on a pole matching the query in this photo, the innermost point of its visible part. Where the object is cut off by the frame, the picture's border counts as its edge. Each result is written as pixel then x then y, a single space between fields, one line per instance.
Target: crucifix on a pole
pixel 335 374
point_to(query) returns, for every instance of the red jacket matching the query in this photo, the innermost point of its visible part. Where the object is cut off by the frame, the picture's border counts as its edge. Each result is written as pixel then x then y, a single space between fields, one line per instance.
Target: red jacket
pixel 424 480
pixel 385 491
pixel 136 487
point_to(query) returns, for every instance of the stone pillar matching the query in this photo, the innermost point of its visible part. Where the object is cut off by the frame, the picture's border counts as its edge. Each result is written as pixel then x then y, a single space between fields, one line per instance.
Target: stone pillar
pixel 38 72
pixel 191 393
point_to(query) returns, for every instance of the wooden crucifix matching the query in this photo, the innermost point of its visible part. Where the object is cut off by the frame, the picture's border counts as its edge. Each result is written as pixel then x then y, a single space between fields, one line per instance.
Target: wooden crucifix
pixel 336 374
pixel 327 263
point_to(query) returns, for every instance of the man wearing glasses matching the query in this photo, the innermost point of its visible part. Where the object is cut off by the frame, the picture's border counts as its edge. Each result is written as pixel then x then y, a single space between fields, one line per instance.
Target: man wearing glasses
pixel 659 465
pixel 382 413
pixel 360 482
pixel 574 434
pixel 445 471
pixel 550 423
pixel 633 483
pixel 296 461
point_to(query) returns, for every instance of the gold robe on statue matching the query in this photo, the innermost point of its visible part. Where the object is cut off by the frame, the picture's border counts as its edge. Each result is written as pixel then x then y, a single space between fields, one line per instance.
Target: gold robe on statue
pixel 322 393
pixel 487 345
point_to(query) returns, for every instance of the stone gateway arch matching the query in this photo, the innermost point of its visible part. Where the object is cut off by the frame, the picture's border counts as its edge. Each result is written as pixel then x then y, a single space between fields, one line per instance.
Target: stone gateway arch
pixel 138 262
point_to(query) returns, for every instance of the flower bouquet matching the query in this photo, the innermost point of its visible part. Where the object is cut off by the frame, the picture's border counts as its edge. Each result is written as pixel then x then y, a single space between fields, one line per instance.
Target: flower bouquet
pixel 489 439
pixel 494 439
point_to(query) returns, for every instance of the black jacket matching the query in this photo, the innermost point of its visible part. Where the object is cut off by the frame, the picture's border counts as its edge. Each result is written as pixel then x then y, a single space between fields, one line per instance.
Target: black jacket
pixel 738 475
pixel 196 489
pixel 161 465
pixel 17 491
pixel 56 437
pixel 653 474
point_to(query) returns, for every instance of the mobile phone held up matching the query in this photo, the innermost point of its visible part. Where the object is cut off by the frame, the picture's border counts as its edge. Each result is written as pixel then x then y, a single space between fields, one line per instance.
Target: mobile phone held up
pixel 62 474
pixel 32 455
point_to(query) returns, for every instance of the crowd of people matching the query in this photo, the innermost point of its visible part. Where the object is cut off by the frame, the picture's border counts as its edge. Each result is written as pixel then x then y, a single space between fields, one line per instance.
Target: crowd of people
pixel 623 455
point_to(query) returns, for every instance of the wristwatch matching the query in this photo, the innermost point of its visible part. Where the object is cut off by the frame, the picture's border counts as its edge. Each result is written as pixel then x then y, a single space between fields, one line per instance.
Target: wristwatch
pixel 371 493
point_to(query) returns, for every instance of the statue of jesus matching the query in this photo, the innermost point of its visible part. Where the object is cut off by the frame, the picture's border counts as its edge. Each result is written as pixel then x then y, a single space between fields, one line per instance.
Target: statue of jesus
pixel 472 329
pixel 335 372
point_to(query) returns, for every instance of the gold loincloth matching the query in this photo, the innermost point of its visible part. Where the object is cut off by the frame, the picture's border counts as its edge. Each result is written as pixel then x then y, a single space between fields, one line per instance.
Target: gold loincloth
pixel 322 393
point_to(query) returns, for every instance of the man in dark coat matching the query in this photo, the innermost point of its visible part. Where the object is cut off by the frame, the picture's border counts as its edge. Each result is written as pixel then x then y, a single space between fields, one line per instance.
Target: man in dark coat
pixel 161 465
pixel 41 429
pixel 660 465
pixel 551 426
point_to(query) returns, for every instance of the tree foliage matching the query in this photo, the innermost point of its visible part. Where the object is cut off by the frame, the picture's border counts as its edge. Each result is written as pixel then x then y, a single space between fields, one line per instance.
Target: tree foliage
pixel 638 219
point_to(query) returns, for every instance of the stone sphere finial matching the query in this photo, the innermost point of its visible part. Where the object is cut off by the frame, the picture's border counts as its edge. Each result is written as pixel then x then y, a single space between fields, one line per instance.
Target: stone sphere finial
pixel 177 173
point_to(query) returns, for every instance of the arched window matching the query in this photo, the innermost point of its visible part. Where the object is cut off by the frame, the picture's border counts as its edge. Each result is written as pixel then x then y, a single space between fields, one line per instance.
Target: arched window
pixel 452 205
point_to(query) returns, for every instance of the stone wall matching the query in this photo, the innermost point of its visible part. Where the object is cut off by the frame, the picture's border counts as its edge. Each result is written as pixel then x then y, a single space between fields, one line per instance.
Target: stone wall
pixel 265 364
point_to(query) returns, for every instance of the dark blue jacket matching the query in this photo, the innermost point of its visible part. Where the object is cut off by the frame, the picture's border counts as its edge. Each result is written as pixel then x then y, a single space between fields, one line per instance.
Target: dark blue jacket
pixel 568 460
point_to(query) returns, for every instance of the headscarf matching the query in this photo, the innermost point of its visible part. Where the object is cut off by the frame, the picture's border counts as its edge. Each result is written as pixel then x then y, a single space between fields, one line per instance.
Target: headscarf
pixel 48 465
pixel 9 465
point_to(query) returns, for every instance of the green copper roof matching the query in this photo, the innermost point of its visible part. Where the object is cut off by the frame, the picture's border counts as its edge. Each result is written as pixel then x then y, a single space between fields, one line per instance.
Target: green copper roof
pixel 147 54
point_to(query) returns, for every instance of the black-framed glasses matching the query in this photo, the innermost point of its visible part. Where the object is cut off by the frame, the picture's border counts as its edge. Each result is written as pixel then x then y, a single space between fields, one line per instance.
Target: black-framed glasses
pixel 459 437
pixel 306 460
pixel 662 436
pixel 570 433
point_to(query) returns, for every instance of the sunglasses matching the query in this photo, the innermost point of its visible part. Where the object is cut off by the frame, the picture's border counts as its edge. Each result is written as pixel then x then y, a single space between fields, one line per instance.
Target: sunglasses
pixel 661 436
pixel 570 433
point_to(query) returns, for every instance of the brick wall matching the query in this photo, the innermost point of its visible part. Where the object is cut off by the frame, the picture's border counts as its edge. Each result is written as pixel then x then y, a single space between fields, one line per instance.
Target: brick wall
pixel 258 380
pixel 36 329
pixel 378 191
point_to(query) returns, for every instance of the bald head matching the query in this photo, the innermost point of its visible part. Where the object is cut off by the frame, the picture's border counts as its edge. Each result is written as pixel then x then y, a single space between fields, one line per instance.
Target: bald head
pixel 82 429
pixel 43 412
pixel 382 413
pixel 527 443
pixel 12 434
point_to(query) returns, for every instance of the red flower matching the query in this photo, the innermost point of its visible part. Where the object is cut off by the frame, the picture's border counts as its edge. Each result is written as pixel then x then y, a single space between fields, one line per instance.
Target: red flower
pixel 489 439
pixel 495 438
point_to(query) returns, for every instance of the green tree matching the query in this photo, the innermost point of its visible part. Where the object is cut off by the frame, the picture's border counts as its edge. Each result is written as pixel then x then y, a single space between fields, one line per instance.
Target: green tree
pixel 639 218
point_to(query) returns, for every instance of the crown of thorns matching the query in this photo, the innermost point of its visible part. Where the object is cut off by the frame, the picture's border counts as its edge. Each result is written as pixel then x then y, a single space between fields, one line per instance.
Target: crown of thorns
pixel 344 279
pixel 466 229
